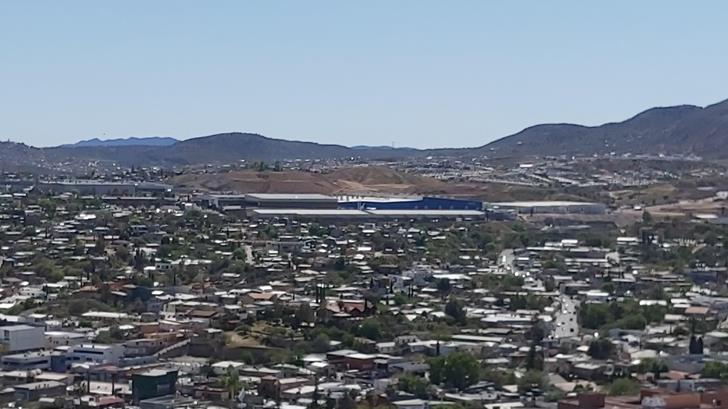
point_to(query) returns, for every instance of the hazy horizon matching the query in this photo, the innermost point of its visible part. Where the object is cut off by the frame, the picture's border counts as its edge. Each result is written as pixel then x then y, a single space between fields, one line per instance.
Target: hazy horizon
pixel 419 74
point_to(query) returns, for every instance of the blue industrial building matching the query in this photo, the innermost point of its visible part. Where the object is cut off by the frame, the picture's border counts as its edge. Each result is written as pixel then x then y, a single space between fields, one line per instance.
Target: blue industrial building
pixel 408 203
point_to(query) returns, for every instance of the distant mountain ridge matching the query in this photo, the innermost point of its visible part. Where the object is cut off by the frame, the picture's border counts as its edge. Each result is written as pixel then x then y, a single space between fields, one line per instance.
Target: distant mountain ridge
pixel 683 129
pixel 130 141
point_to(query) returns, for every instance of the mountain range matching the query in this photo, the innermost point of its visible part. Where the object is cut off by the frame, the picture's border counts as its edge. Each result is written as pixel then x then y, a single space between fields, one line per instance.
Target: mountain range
pixel 684 129
pixel 131 141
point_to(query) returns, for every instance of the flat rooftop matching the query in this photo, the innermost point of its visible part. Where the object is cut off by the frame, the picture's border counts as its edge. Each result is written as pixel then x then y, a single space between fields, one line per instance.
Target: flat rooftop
pixel 546 203
pixel 155 372
pixel 18 327
pixel 25 355
pixel 222 196
pixel 378 199
pixel 289 196
pixel 310 212
pixel 105 314
pixel 426 212
pixel 366 213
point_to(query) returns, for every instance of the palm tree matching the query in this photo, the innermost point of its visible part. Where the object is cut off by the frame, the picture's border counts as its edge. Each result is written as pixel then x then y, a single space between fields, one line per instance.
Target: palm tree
pixel 231 381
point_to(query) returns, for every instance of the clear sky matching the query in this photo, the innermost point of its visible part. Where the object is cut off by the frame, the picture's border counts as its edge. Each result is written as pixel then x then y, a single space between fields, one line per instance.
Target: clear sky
pixel 413 73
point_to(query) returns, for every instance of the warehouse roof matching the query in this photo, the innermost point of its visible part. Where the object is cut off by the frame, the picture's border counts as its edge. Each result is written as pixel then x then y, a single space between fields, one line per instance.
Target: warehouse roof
pixel 544 203
pixel 309 212
pixel 367 213
pixel 289 196
pixel 427 213
pixel 378 199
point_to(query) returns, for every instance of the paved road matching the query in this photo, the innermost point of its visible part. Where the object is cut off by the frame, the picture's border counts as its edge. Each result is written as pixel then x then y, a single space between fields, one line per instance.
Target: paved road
pixel 566 324
pixel 506 259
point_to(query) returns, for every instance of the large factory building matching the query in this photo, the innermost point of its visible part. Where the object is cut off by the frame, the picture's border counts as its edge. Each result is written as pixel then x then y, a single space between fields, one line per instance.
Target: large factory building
pixel 552 207
pixel 408 203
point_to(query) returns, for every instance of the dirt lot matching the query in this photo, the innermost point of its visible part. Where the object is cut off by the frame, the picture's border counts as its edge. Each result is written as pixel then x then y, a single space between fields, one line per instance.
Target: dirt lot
pixel 688 207
pixel 361 181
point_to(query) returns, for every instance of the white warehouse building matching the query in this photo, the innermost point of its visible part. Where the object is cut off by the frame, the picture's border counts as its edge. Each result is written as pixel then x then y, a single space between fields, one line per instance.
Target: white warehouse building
pixel 18 338
pixel 95 353
pixel 551 207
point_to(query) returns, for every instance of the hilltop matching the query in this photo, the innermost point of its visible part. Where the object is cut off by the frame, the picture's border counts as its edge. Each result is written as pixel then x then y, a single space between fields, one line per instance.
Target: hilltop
pixel 683 130
pixel 131 141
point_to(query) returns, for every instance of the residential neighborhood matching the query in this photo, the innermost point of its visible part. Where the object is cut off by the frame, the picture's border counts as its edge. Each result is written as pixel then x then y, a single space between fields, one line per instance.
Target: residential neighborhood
pixel 158 298
pixel 363 204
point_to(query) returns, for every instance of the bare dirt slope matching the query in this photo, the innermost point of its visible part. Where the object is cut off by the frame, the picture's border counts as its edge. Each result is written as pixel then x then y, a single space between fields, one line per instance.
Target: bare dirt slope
pixel 357 180
pixel 360 180
pixel 260 182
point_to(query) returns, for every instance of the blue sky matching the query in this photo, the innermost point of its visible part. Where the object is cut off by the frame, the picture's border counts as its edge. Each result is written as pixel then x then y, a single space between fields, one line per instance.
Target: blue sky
pixel 413 73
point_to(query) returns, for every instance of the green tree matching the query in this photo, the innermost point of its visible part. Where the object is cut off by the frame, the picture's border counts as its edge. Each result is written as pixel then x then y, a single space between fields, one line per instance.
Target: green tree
pixel 601 349
pixel 534 360
pixel 715 370
pixel 321 343
pixel 624 387
pixel 530 380
pixel 371 329
pixel 455 310
pixel 45 267
pixel 231 381
pixel 655 366
pixel 239 254
pixel 304 314
pixel 653 313
pixel 498 376
pixel 458 370
pixel 632 321
pixel 646 217
pixel 400 299
pixel 696 345
pixel 444 287
pixel 593 316
pixel 413 384
pixel 346 402
pixel 609 288
pixel 139 261
pixel 49 207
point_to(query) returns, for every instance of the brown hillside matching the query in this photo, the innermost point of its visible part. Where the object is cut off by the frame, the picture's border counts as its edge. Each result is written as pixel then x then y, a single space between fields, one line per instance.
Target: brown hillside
pixel 355 180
